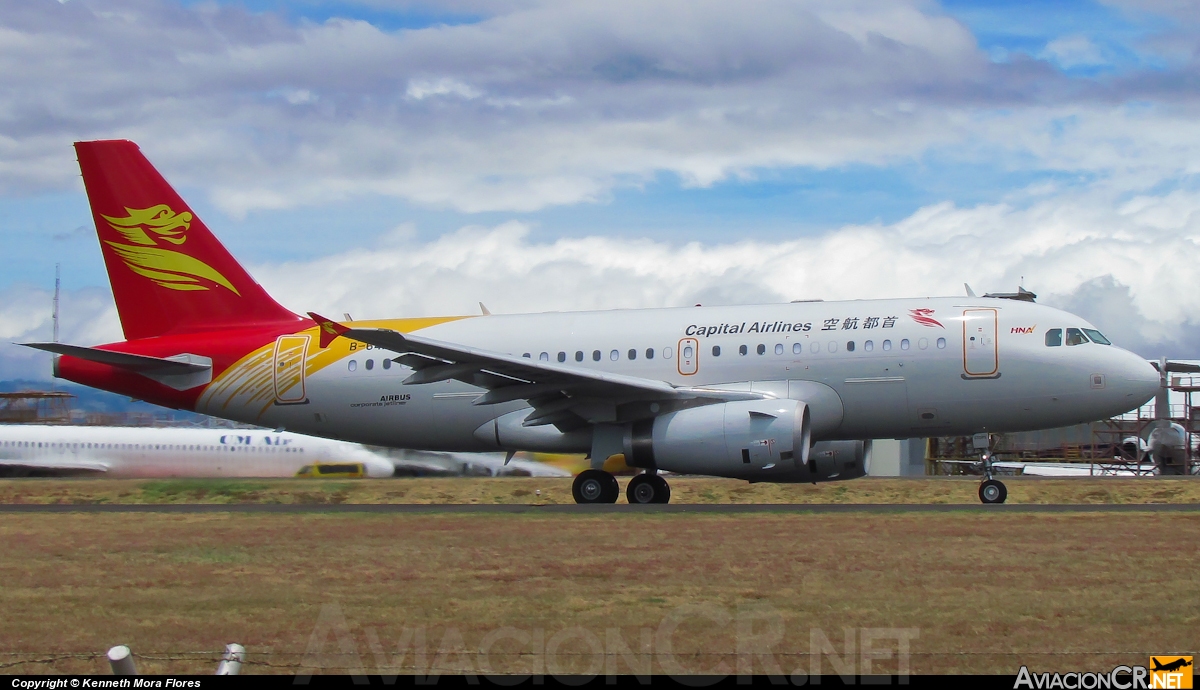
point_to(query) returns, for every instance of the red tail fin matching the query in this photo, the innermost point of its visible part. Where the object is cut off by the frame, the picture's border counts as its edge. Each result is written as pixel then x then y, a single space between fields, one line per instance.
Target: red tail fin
pixel 168 272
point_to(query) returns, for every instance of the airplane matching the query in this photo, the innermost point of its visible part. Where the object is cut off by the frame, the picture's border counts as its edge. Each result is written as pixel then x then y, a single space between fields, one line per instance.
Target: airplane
pixel 765 393
pixel 140 452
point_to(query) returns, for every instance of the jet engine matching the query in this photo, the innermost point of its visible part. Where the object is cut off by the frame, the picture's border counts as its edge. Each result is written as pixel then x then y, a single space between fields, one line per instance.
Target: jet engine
pixel 750 439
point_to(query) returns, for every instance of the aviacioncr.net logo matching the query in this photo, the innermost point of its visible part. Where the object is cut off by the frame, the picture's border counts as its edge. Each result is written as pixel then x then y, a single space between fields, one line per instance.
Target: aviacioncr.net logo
pixel 142 229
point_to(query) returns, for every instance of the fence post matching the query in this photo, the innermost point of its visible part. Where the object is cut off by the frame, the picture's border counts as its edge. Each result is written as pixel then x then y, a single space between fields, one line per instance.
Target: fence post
pixel 231 661
pixel 121 660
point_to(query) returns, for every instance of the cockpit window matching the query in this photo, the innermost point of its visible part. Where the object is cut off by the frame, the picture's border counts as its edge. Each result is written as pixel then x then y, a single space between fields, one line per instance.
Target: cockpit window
pixel 1075 337
pixel 1096 336
pixel 1054 337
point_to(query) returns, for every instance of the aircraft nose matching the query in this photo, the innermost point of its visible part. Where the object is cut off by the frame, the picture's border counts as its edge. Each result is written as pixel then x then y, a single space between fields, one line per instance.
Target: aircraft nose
pixel 1138 379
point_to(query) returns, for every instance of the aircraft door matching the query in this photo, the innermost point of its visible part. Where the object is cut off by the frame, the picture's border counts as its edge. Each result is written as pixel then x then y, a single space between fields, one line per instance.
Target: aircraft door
pixel 290 353
pixel 981 357
pixel 689 356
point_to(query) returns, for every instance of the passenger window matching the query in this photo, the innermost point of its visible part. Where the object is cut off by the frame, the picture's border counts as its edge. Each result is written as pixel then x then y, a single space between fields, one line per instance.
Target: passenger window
pixel 887 345
pixel 849 346
pixel 526 356
pixel 387 364
pixel 941 343
pixel 795 348
pixel 904 344
pixel 762 349
pixel 1096 336
pixel 742 350
pixel 649 353
pixel 579 355
pixel 868 345
pixel 614 355
pixel 923 343
pixel 716 350
pixel 779 348
pixel 832 346
pixel 1075 337
pixel 667 352
pixel 1054 337
pixel 370 364
pixel 595 355
pixel 632 354
pixel 814 348
pixel 352 365
pixel 544 357
pixel 562 356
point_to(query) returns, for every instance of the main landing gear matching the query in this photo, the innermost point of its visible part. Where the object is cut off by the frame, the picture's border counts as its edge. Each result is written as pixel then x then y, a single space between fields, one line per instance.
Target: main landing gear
pixel 598 486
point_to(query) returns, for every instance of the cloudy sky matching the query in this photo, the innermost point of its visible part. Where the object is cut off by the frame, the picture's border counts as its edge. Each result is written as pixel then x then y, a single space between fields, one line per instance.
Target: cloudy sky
pixel 390 159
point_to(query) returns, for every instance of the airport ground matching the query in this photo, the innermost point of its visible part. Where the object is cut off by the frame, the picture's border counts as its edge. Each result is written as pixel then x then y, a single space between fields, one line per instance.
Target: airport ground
pixel 552 491
pixel 969 591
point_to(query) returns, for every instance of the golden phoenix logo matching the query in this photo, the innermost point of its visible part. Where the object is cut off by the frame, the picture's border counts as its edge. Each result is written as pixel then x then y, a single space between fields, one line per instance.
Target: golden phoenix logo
pixel 166 267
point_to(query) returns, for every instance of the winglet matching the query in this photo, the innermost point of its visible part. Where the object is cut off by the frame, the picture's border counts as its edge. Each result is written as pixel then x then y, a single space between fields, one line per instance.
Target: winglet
pixel 485 310
pixel 329 329
pixel 970 292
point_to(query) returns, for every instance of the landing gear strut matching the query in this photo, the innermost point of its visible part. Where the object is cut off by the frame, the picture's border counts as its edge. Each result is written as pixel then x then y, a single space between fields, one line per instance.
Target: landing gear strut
pixel 595 486
pixel 648 488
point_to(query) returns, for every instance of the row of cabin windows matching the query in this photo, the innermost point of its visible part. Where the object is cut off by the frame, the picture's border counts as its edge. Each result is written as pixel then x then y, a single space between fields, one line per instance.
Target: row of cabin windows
pixel 667 353
pixel 1075 336
pixel 832 346
pixel 139 446
pixel 597 355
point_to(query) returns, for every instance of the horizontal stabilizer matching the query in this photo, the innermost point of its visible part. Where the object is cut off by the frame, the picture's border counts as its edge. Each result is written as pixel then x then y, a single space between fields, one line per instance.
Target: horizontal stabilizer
pixel 180 372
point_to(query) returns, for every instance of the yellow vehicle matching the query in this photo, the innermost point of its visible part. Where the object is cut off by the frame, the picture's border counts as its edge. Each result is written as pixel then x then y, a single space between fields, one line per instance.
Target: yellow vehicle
pixel 339 470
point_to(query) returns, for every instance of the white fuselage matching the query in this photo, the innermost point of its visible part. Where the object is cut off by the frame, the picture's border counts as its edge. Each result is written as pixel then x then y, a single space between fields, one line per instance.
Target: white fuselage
pixel 174 452
pixel 867 369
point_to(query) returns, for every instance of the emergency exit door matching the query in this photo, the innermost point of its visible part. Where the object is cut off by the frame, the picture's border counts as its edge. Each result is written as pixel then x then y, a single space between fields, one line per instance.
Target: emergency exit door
pixel 980 354
pixel 290 352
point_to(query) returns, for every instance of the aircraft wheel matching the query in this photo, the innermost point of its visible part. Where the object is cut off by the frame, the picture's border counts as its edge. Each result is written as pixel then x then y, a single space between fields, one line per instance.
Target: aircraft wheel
pixel 663 492
pixel 595 486
pixel 993 491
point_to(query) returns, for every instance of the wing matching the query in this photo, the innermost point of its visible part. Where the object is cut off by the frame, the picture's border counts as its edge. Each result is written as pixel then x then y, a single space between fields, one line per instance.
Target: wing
pixel 565 396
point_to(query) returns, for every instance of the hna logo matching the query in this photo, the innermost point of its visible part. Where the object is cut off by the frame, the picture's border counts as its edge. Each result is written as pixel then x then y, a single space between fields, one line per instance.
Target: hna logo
pixel 1171 672
pixel 1024 330
pixel 144 256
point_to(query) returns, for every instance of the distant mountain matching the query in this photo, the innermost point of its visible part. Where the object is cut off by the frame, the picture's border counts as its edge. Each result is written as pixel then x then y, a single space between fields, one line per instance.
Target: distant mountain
pixel 91 401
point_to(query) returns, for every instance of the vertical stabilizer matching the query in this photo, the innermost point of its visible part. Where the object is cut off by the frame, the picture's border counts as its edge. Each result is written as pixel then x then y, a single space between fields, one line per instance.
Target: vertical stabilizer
pixel 168 272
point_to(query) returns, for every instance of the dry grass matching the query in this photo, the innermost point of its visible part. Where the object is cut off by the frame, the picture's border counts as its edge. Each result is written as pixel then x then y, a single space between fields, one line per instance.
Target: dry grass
pixel 524 491
pixel 986 592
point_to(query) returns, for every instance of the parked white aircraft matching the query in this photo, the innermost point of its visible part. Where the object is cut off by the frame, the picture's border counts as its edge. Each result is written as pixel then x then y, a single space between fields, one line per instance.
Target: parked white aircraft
pixel 778 392
pixel 35 449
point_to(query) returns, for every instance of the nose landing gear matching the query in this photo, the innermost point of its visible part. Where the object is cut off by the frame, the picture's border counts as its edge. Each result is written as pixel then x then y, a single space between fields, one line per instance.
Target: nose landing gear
pixel 992 491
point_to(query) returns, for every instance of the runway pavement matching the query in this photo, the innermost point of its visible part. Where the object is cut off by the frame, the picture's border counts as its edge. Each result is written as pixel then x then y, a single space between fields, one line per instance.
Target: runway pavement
pixel 617 508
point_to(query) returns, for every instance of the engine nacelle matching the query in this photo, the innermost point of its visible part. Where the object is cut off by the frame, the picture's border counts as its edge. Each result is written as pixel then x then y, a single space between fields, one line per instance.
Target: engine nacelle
pixel 751 439
pixel 837 460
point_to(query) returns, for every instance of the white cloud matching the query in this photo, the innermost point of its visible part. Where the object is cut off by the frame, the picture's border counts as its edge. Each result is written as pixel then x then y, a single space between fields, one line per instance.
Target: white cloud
pixel 1073 51
pixel 1121 263
pixel 420 89
pixel 544 104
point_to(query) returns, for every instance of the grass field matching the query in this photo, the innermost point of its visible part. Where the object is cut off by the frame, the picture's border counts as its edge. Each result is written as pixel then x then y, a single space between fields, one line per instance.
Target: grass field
pixel 969 592
pixel 526 490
